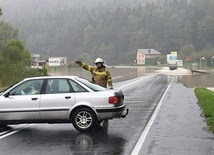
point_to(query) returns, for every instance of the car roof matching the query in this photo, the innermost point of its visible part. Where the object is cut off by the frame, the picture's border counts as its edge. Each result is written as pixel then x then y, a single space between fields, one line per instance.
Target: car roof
pixel 51 77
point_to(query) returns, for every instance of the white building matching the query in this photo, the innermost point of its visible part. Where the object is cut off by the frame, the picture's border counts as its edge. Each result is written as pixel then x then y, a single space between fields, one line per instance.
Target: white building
pixel 142 54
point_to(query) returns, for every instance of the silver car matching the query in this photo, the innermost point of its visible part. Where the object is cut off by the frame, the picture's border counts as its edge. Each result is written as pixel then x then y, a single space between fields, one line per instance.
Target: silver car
pixel 60 99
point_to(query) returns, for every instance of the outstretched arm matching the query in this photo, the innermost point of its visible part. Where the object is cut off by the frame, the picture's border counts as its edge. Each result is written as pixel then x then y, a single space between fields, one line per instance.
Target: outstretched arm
pixel 85 66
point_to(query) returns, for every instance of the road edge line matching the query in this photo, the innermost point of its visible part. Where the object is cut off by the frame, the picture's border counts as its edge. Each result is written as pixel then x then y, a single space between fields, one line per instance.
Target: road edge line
pixel 146 130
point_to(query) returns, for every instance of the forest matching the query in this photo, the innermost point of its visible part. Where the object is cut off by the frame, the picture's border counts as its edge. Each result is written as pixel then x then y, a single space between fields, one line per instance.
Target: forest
pixel 15 58
pixel 113 31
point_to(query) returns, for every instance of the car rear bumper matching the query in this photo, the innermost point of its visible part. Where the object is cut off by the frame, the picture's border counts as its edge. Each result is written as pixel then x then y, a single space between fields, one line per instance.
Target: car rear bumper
pixel 112 113
pixel 115 109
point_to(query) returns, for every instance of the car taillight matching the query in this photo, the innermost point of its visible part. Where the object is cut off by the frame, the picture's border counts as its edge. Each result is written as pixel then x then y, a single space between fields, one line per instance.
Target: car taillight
pixel 114 100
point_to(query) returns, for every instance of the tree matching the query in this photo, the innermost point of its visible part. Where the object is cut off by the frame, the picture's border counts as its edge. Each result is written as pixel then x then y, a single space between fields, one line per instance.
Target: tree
pixel 90 37
pixel 7 32
pixel 206 30
pixel 165 25
pixel 85 57
pixel 15 62
pixel 186 51
pixel 0 11
pixel 106 52
pixel 16 52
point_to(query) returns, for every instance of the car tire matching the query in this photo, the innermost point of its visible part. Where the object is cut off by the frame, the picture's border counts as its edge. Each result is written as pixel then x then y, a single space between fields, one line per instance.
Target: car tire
pixel 3 126
pixel 84 119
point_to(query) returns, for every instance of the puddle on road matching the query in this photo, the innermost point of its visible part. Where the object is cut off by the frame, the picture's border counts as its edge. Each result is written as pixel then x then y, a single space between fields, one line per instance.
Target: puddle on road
pixel 188 79
pixel 196 80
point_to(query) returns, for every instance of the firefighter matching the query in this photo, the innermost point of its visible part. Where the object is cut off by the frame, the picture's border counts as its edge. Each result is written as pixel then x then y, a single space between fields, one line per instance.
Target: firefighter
pixel 100 75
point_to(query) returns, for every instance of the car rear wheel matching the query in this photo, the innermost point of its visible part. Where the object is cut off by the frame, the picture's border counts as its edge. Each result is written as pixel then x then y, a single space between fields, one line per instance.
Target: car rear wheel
pixel 84 119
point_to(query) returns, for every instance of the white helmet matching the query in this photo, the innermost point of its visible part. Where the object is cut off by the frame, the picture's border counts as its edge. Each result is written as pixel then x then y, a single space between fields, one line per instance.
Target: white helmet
pixel 99 60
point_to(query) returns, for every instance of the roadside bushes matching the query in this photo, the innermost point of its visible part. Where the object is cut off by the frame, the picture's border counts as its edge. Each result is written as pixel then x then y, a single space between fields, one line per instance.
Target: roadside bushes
pixel 15 63
pixel 13 73
pixel 206 101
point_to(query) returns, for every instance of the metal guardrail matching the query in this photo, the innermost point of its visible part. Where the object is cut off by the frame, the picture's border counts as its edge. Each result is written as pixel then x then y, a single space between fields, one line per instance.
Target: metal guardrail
pixel 201 71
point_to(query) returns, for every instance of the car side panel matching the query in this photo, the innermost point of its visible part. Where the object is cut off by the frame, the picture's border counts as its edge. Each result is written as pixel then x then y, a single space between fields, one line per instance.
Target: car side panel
pixel 56 106
pixel 19 107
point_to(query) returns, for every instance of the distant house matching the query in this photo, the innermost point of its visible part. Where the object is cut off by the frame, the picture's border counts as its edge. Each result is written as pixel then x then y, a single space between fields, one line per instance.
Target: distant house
pixel 38 62
pixel 142 54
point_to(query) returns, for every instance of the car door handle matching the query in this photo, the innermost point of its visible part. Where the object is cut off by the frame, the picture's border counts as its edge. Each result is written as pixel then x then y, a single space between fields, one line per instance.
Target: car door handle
pixel 34 99
pixel 67 97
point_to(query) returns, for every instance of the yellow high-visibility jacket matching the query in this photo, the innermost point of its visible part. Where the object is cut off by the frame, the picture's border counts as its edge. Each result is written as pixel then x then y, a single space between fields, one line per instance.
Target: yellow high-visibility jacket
pixel 101 76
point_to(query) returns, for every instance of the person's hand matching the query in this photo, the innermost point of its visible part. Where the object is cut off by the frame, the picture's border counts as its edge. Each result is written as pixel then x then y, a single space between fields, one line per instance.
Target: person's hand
pixel 78 62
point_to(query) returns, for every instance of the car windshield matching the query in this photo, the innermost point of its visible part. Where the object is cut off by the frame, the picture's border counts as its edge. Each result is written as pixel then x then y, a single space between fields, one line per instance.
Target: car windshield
pixel 92 86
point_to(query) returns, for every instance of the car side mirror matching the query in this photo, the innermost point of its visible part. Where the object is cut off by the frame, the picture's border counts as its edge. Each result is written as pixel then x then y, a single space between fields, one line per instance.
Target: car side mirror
pixel 7 94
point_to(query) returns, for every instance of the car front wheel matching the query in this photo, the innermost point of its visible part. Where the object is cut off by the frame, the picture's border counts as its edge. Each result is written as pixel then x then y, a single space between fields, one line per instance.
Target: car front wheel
pixel 3 126
pixel 84 119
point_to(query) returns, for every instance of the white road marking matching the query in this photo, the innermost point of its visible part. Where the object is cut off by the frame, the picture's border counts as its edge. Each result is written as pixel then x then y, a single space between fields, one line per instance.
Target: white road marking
pixel 9 133
pixel 14 130
pixel 2 133
pixel 145 132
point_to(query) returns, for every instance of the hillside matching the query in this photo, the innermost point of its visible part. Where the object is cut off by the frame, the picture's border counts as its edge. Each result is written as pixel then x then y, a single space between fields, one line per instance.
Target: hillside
pixel 110 29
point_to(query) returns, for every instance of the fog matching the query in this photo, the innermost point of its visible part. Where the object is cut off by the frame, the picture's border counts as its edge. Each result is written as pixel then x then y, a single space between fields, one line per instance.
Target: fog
pixel 111 29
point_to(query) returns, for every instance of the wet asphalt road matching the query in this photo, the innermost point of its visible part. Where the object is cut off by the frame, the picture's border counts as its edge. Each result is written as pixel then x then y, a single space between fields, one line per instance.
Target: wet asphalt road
pixel 117 136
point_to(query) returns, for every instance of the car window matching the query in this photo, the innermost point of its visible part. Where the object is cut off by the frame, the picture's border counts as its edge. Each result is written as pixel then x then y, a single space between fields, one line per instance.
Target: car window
pixel 92 86
pixel 77 87
pixel 57 86
pixel 29 87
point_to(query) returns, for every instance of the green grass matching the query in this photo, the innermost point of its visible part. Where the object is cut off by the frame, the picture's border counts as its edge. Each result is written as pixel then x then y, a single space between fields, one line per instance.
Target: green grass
pixel 206 101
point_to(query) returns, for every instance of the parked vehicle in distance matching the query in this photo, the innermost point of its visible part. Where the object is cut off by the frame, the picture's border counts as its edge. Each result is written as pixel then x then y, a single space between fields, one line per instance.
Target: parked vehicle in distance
pixel 60 99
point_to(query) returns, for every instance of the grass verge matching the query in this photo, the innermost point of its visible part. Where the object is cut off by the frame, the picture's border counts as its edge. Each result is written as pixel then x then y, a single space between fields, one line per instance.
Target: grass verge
pixel 206 101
